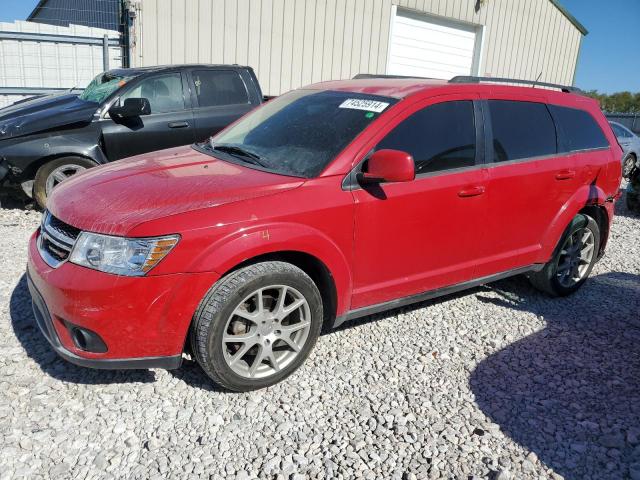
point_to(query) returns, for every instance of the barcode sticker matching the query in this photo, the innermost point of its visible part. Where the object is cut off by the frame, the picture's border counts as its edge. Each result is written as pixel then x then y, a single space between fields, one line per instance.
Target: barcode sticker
pixel 364 104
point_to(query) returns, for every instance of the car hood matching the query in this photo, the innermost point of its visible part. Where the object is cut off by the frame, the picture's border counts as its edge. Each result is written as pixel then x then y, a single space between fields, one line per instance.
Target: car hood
pixel 114 198
pixel 44 113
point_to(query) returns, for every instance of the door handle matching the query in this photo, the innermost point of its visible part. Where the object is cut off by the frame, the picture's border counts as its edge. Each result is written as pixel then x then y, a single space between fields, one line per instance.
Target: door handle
pixel 471 191
pixel 178 124
pixel 565 175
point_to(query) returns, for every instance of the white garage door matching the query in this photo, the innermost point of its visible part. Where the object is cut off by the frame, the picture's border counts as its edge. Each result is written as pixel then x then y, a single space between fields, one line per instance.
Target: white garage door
pixel 426 47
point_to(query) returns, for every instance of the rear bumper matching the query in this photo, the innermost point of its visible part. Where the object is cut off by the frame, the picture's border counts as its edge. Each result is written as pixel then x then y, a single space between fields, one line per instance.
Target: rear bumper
pixel 43 319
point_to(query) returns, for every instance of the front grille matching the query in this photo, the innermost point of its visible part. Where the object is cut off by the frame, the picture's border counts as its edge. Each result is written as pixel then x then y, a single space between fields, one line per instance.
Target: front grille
pixel 62 228
pixel 56 240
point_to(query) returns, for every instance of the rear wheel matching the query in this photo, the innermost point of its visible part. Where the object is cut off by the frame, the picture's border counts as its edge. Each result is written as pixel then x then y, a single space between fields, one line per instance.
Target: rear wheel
pixel 53 173
pixel 573 259
pixel 257 326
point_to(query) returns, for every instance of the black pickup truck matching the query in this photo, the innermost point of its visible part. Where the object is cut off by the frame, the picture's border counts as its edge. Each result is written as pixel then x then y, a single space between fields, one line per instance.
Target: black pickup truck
pixel 121 113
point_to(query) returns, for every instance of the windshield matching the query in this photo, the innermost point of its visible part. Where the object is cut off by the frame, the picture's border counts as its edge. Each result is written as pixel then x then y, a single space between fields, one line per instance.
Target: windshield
pixel 301 132
pixel 102 86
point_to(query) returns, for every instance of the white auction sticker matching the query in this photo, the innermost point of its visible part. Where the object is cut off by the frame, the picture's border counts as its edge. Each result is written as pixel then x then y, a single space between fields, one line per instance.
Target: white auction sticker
pixel 364 104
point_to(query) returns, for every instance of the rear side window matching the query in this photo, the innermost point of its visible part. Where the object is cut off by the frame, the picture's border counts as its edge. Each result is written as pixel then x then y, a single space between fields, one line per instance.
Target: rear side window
pixel 579 129
pixel 219 87
pixel 521 130
pixel 439 137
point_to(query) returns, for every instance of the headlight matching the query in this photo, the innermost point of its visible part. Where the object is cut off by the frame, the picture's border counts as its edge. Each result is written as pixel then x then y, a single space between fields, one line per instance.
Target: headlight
pixel 121 256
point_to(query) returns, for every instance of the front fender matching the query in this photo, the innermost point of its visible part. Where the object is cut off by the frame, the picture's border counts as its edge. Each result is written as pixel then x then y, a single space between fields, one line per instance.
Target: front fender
pixel 584 196
pixel 231 250
pixel 26 154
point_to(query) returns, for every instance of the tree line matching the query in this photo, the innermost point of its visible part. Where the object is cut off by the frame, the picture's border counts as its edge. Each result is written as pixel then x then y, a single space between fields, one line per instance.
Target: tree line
pixel 620 102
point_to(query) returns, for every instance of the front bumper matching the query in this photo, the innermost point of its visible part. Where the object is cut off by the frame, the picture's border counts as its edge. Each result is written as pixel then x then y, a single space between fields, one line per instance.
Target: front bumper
pixel 143 321
pixel 44 321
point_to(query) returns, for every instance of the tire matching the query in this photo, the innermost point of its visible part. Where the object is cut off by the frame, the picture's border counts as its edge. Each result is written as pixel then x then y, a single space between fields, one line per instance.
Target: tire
pixel 50 175
pixel 230 310
pixel 552 279
pixel 627 165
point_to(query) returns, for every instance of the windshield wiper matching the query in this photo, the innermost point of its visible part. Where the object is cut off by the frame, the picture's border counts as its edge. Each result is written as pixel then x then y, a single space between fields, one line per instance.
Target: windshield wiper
pixel 241 153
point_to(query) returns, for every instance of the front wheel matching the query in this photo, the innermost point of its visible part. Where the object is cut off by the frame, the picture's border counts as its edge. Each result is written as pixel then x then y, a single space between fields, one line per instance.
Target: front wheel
pixel 53 173
pixel 573 259
pixel 257 325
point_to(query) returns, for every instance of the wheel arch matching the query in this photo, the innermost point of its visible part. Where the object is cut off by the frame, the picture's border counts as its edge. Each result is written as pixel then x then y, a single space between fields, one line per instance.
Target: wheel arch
pixel 589 200
pixel 312 266
pixel 30 172
pixel 301 245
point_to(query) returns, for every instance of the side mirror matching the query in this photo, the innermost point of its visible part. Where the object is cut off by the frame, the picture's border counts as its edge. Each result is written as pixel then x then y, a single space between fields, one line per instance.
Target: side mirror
pixel 133 107
pixel 389 166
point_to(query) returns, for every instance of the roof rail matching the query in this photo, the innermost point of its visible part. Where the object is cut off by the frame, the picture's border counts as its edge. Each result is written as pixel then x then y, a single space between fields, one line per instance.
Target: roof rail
pixel 375 75
pixel 472 79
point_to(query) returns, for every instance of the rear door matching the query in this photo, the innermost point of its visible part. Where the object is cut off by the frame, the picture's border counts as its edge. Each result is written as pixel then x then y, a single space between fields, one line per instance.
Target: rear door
pixel 220 97
pixel 170 123
pixel 529 181
pixel 416 236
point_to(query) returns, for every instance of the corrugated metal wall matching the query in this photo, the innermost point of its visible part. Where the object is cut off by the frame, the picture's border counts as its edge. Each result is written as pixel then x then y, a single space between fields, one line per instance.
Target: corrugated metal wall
pixel 291 43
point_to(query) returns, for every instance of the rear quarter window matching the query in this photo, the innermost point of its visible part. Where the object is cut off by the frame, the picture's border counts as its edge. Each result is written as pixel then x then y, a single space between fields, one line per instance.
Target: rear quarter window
pixel 578 129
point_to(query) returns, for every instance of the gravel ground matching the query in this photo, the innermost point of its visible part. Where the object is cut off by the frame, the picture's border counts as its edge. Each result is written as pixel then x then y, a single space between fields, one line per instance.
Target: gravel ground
pixel 499 382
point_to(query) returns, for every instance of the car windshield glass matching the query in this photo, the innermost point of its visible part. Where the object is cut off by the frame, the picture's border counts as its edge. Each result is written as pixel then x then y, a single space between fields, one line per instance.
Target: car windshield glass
pixel 102 86
pixel 301 132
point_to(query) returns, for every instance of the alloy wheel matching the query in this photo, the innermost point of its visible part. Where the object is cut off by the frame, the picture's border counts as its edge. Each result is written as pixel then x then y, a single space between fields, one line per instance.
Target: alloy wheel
pixel 627 166
pixel 60 174
pixel 266 331
pixel 575 257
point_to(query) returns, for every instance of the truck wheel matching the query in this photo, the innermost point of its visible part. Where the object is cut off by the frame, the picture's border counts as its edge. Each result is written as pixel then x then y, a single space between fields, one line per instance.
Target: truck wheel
pixel 52 173
pixel 573 259
pixel 257 325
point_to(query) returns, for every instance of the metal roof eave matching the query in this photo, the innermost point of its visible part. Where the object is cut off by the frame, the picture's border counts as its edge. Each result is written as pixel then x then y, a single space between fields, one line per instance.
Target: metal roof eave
pixel 570 17
pixel 36 8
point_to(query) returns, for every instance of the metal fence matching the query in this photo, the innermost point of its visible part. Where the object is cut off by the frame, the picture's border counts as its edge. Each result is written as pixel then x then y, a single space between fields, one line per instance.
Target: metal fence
pixel 629 120
pixel 38 59
pixel 62 45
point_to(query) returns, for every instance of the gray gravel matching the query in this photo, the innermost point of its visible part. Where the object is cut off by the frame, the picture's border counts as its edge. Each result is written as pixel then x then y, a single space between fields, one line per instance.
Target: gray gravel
pixel 500 382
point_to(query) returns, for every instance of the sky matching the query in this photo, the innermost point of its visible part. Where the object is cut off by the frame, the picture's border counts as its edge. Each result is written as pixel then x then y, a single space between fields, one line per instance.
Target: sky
pixel 609 59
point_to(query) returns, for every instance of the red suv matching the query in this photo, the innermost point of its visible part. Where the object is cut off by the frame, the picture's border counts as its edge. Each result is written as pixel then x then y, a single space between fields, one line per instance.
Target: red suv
pixel 331 202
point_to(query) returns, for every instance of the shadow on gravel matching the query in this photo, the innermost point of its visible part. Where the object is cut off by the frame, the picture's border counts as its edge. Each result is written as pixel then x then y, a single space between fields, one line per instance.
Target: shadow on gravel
pixel 37 348
pixel 571 392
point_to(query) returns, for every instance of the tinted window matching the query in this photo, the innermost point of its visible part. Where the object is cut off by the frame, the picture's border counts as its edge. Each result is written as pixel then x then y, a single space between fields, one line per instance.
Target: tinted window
pixel 439 137
pixel 301 132
pixel 521 130
pixel 619 131
pixel 579 129
pixel 219 87
pixel 164 93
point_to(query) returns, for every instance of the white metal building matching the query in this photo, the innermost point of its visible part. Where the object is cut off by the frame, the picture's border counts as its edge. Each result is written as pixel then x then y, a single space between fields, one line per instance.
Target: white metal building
pixel 291 43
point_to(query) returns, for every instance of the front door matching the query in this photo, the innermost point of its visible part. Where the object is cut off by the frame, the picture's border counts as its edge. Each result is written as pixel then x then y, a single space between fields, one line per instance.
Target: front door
pixel 424 234
pixel 170 123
